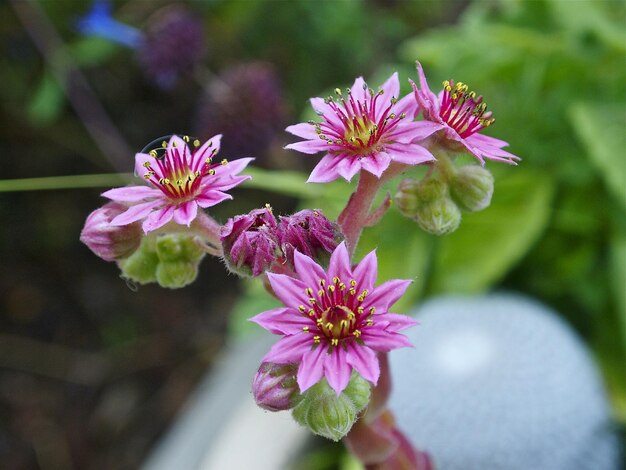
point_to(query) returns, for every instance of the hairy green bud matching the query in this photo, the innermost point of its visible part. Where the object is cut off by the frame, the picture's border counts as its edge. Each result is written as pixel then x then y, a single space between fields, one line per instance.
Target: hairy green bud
pixel 472 187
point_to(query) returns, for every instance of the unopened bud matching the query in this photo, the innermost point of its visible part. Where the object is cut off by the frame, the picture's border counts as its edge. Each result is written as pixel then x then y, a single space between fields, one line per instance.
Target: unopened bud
pixel 141 266
pixel 176 247
pixel 309 232
pixel 406 197
pixel 249 242
pixel 176 274
pixel 359 391
pixel 324 412
pixel 472 187
pixel 110 242
pixel 439 217
pixel 275 387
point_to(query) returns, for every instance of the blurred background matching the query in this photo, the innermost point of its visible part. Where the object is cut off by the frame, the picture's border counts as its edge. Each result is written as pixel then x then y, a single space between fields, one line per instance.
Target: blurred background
pixel 93 371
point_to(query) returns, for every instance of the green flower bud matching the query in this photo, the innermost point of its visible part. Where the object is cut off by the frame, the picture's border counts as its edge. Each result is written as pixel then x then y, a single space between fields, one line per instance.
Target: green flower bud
pixel 141 266
pixel 178 247
pixel 472 187
pixel 359 391
pixel 325 413
pixel 431 189
pixel 439 217
pixel 176 274
pixel 406 197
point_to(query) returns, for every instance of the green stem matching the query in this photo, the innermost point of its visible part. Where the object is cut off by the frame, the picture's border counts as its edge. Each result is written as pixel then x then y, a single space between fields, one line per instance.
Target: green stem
pixel 65 182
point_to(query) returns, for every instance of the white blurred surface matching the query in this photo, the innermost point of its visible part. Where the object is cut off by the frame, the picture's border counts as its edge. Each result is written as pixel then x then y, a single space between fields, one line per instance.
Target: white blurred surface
pixel 501 383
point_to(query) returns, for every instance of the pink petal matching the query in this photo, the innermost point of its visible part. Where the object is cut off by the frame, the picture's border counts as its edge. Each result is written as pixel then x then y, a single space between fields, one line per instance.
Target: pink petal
pixel 383 341
pixel 320 106
pixel 395 322
pixel 391 88
pixel 337 370
pixel 339 264
pixel 309 271
pixel 359 89
pixel 282 321
pixel 311 368
pixel 186 213
pixel 348 167
pixel 473 150
pixel 304 130
pixel 409 154
pixel 376 164
pixel 206 149
pixel 325 170
pixel 289 291
pixel 140 169
pixel 387 294
pixel 478 139
pixel 132 193
pixel 136 212
pixel 158 218
pixel 227 182
pixel 366 271
pixel 210 198
pixel 309 146
pixel 407 105
pixel 233 167
pixel 413 131
pixel 364 360
pixel 289 349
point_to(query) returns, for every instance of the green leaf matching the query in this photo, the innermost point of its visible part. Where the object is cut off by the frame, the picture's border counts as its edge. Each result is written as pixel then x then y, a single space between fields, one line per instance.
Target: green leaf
pixel 47 101
pixel 600 128
pixel 489 243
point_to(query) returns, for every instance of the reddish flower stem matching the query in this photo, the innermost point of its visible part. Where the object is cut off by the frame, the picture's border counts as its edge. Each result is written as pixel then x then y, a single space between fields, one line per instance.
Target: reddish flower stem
pixel 356 213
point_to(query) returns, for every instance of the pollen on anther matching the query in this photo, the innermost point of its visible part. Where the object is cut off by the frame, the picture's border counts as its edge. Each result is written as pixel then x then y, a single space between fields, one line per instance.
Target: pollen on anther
pixel 372 310
pixel 305 329
pixel 308 291
pixel 322 282
pixel 311 312
pixel 153 153
pixel 334 342
pixel 359 310
pixel 186 138
pixel 211 172
pixel 196 143
pixel 146 164
pixel 224 162
pixel 357 333
pixel 316 339
pixel 302 308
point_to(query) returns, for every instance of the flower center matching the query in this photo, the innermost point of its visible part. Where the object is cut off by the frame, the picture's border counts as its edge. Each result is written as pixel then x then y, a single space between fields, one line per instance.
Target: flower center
pixel 178 173
pixel 462 110
pixel 337 312
pixel 358 126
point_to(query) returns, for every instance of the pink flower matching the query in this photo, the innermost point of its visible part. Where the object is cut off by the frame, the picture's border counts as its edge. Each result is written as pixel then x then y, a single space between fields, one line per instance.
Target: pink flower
pixel 178 182
pixel 334 321
pixel 460 114
pixel 362 130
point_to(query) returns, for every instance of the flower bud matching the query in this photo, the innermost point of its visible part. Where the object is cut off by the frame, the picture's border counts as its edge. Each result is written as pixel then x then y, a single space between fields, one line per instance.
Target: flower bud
pixel 309 232
pixel 107 241
pixel 324 412
pixel 406 197
pixel 439 217
pixel 176 274
pixel 249 242
pixel 472 187
pixel 431 189
pixel 359 391
pixel 141 266
pixel 275 387
pixel 176 247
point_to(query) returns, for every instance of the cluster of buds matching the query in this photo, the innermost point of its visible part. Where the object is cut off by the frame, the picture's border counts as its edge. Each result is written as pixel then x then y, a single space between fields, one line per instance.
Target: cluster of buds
pixel 435 202
pixel 170 260
pixel 256 242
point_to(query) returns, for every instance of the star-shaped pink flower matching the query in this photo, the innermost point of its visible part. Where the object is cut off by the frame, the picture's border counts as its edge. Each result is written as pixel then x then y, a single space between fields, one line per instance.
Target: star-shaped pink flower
pixel 460 114
pixel 334 321
pixel 362 130
pixel 184 178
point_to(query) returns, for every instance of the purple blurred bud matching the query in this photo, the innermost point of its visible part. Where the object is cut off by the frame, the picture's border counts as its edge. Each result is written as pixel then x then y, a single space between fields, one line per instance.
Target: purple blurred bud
pixel 110 242
pixel 275 387
pixel 173 45
pixel 249 242
pixel 309 232
pixel 245 103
